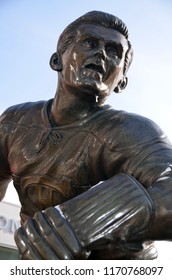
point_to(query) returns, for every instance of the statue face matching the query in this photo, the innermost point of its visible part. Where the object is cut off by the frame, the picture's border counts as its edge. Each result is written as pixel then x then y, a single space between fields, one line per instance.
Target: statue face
pixel 94 61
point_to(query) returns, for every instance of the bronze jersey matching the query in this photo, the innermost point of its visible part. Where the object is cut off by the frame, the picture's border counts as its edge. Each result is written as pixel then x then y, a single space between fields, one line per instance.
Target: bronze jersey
pixel 50 164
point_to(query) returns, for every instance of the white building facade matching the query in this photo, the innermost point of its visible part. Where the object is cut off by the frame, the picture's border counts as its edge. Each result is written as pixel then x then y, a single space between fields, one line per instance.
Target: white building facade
pixel 9 222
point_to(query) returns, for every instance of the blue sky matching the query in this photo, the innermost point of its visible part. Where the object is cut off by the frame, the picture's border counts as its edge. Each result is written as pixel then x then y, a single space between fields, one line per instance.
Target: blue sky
pixel 29 31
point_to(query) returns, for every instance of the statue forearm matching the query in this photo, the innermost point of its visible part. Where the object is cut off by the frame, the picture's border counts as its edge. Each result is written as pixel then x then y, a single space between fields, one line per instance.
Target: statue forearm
pixel 112 211
pixel 155 223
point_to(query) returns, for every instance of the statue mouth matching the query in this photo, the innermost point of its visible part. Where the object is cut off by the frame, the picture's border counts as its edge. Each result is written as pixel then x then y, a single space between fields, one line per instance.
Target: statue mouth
pixel 96 68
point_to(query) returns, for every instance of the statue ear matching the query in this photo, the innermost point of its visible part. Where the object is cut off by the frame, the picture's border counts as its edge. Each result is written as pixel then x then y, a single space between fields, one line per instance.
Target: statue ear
pixel 121 85
pixel 56 62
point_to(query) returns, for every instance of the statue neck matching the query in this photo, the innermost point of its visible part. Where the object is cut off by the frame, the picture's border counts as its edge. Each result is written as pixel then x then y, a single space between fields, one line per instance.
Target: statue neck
pixel 70 106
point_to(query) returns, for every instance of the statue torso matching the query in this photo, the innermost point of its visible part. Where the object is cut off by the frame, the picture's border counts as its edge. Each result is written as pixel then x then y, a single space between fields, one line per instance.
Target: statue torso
pixel 52 164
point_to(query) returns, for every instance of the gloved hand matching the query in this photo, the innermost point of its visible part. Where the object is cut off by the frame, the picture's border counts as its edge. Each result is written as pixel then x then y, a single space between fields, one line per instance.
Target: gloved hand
pixel 38 239
pixel 112 211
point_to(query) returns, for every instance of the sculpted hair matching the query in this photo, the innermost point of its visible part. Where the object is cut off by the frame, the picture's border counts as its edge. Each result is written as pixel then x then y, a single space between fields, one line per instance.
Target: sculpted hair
pixel 96 17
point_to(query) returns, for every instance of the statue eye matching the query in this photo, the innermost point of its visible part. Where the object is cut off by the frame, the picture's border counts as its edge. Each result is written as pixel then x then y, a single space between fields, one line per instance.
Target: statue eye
pixel 89 43
pixel 112 51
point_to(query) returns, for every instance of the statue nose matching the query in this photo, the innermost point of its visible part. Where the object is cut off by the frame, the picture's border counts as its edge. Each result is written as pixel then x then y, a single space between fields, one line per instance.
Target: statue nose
pixel 100 53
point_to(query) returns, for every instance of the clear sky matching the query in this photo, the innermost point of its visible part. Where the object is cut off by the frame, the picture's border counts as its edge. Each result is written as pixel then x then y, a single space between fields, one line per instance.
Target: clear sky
pixel 30 28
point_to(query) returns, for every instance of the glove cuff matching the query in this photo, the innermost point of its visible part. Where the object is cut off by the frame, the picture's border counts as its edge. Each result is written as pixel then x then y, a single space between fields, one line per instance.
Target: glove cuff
pixel 113 210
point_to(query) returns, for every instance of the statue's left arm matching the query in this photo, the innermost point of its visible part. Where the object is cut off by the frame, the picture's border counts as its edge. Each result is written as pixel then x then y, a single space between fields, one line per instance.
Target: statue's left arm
pixel 5 172
pixel 160 192
pixel 147 156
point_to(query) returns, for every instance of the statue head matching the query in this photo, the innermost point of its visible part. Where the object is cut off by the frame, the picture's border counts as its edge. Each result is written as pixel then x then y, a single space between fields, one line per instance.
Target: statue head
pixel 100 21
pixel 96 17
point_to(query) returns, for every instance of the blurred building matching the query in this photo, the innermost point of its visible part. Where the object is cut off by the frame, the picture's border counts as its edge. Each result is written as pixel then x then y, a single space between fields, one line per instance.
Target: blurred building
pixel 9 222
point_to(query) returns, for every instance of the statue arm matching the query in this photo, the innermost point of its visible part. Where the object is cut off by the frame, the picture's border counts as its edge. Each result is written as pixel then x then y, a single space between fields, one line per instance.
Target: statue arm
pixel 161 194
pixel 147 155
pixel 3 186
pixel 130 209
pixel 5 174
pixel 155 174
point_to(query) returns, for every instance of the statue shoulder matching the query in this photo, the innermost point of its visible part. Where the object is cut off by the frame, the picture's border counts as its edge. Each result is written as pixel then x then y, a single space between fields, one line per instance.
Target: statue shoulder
pixel 142 128
pixel 124 129
pixel 22 113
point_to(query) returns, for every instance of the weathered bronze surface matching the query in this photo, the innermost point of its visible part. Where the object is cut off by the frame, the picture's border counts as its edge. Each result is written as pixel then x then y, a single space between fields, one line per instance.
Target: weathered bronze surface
pixel 55 152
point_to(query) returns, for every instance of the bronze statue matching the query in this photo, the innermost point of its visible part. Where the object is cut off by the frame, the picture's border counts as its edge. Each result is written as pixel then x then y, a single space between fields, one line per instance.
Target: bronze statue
pixel 94 182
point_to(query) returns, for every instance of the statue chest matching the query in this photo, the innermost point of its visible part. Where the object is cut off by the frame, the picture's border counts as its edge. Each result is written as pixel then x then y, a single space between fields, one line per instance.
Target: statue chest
pixel 49 174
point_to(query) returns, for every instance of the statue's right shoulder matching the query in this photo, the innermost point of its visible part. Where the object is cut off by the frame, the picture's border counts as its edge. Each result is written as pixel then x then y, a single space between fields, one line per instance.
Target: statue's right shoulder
pixel 21 112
